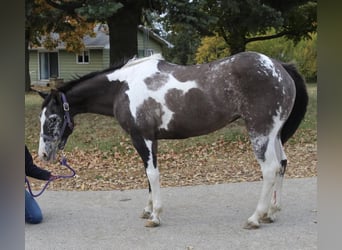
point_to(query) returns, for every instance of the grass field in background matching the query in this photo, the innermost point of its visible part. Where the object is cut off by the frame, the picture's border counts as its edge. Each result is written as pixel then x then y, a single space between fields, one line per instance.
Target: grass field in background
pixel 103 133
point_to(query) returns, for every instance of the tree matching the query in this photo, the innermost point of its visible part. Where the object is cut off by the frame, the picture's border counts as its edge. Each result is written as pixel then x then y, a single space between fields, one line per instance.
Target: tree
pixel 122 17
pixel 185 41
pixel 42 21
pixel 240 22
pixel 303 53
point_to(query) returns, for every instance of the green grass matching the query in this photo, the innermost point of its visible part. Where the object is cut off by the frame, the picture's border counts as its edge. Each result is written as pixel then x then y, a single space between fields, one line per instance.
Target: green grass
pixel 96 132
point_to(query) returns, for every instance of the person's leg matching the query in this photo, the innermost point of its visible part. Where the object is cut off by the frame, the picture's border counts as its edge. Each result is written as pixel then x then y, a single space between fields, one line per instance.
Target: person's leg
pixel 33 214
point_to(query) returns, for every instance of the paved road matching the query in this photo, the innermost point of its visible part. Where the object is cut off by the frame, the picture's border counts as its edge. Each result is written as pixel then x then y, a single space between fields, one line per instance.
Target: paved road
pixel 199 217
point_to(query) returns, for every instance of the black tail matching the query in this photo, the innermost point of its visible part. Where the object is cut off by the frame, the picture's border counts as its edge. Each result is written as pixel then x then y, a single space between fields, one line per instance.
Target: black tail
pixel 300 104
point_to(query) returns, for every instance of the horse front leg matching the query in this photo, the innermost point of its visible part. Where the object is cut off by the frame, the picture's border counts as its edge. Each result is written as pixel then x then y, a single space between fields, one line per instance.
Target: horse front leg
pixel 146 214
pixel 147 150
pixel 153 178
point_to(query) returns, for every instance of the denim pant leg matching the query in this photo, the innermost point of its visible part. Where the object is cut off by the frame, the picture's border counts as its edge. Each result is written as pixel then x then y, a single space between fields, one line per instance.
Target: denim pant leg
pixel 33 214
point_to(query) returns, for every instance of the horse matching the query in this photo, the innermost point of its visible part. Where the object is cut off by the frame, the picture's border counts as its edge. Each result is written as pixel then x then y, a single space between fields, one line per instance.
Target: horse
pixel 153 99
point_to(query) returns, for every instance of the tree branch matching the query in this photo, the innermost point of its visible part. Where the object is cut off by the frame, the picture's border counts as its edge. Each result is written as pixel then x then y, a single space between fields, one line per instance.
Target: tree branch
pixel 224 35
pixel 262 38
pixel 65 6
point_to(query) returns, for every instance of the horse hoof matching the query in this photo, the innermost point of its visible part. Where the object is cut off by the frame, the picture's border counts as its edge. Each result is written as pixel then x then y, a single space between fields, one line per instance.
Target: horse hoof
pixel 151 223
pixel 251 225
pixel 145 215
pixel 266 220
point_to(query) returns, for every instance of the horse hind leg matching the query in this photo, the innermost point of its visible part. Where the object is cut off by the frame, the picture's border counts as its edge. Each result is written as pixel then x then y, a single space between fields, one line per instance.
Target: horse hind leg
pixel 275 204
pixel 271 157
pixel 276 191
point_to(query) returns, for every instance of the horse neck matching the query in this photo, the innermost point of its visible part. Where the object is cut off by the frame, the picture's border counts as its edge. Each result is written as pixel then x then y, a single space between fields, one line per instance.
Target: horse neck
pixel 92 97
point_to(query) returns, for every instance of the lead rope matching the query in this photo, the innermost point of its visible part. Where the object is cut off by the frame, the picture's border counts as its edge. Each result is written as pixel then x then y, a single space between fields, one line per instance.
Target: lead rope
pixel 63 162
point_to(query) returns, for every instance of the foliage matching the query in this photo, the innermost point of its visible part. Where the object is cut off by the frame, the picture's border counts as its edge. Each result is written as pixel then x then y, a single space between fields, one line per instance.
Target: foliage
pixel 91 9
pixel 211 48
pixel 303 53
pixel 242 21
pixel 238 22
pixel 185 41
pixel 305 56
pixel 278 48
pixel 42 21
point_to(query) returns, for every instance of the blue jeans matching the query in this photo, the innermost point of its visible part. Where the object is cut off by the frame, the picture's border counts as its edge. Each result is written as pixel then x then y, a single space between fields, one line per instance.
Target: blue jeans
pixel 33 214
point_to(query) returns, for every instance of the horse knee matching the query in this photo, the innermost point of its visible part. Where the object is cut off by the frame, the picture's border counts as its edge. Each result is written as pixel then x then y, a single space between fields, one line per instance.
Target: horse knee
pixel 152 175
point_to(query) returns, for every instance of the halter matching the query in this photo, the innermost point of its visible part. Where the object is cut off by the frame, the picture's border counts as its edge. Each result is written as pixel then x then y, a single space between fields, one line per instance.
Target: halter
pixel 67 119
pixel 62 162
pixel 67 122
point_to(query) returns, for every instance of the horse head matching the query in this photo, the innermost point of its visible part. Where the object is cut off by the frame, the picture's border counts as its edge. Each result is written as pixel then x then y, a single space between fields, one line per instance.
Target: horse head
pixel 56 124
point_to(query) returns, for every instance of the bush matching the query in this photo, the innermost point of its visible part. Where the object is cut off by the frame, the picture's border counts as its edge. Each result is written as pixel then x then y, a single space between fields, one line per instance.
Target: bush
pixel 303 54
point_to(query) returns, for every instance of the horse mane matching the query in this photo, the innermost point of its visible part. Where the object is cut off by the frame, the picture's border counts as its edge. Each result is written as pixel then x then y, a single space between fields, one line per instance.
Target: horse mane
pixel 135 60
pixel 118 65
pixel 77 79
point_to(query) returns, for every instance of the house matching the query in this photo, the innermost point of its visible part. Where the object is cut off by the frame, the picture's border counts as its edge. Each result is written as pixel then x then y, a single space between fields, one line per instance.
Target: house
pixel 48 66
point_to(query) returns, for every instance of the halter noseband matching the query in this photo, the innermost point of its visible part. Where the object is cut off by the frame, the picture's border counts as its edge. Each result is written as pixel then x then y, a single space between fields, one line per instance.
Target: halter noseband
pixel 67 119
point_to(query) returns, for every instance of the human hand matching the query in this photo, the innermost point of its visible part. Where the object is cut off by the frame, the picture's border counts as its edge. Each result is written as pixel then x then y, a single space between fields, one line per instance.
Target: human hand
pixel 53 177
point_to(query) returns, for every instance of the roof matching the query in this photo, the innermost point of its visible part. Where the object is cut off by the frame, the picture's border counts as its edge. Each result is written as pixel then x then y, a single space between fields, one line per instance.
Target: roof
pixel 101 40
pixel 156 37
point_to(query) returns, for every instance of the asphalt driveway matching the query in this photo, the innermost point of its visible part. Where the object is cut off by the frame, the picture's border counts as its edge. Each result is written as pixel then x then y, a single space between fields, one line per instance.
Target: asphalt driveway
pixel 197 217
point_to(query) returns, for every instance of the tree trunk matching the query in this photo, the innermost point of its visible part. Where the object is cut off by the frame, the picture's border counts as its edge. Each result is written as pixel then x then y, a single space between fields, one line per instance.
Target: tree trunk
pixel 237 48
pixel 236 42
pixel 27 62
pixel 123 28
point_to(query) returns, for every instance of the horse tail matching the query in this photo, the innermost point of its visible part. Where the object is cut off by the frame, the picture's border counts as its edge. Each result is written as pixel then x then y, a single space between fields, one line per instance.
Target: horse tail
pixel 299 108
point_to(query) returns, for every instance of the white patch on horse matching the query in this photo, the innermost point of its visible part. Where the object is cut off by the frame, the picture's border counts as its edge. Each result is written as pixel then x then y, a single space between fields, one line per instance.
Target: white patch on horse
pixel 218 66
pixel 259 141
pixel 267 63
pixel 277 124
pixel 135 74
pixel 41 149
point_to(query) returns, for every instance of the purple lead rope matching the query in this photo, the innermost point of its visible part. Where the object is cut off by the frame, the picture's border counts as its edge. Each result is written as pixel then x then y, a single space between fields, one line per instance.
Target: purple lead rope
pixel 64 163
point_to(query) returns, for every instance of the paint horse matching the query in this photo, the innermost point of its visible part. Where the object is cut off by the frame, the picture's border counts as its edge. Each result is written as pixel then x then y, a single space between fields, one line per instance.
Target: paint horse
pixel 153 99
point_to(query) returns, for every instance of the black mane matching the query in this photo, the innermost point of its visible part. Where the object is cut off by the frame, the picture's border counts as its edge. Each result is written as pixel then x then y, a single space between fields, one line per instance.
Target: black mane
pixel 68 85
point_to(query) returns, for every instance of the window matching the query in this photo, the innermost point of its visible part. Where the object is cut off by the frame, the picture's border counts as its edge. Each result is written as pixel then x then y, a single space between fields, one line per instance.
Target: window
pixel 145 52
pixel 149 52
pixel 83 57
pixel 48 65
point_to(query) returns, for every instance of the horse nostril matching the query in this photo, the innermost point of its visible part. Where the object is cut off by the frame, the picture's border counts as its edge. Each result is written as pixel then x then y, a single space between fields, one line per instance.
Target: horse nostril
pixel 44 155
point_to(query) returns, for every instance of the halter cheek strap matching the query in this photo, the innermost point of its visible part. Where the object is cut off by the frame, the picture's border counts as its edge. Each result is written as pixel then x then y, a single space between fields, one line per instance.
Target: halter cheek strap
pixel 67 119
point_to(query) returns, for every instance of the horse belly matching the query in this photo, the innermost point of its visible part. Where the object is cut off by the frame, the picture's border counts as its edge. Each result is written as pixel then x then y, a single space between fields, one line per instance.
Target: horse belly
pixel 190 128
